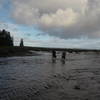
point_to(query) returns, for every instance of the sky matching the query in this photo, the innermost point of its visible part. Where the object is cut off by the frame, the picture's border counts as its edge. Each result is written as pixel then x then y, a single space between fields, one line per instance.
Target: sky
pixel 52 23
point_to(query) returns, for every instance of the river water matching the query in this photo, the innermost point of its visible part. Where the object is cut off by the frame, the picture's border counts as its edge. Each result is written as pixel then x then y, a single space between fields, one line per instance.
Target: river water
pixel 40 78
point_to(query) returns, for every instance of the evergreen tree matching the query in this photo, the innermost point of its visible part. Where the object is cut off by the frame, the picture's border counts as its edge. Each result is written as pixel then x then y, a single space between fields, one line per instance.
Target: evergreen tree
pixel 21 43
pixel 5 38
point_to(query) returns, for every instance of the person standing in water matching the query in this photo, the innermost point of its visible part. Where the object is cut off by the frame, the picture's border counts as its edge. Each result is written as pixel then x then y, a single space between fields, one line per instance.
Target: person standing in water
pixel 54 54
pixel 63 55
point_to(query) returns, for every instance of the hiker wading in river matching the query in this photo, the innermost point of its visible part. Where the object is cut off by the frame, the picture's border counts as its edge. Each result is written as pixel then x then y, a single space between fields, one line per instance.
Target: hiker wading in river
pixel 63 55
pixel 54 54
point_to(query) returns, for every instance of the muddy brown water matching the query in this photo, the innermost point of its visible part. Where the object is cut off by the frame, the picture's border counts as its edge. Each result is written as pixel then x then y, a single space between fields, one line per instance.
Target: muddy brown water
pixel 41 78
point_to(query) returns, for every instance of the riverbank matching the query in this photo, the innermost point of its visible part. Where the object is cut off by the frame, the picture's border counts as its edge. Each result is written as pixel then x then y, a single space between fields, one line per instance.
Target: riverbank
pixel 16 51
pixel 31 51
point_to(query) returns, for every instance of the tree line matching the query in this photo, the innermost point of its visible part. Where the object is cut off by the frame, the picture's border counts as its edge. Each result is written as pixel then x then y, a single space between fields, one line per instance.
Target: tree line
pixel 5 38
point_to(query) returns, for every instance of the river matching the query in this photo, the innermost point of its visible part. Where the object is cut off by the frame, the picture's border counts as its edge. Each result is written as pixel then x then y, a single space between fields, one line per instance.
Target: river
pixel 40 78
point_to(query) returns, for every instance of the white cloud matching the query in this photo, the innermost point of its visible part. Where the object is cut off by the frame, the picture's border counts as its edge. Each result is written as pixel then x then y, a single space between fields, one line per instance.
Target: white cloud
pixel 62 18
pixel 55 17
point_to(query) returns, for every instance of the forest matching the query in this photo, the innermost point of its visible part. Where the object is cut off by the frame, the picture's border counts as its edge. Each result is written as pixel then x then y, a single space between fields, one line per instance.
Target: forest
pixel 5 38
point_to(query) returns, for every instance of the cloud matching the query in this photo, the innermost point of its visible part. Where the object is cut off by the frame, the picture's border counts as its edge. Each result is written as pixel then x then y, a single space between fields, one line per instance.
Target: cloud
pixel 41 41
pixel 62 43
pixel 61 18
pixel 1 3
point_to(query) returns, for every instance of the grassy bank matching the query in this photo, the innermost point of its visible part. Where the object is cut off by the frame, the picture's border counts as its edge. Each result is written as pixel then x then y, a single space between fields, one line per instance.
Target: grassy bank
pixel 15 51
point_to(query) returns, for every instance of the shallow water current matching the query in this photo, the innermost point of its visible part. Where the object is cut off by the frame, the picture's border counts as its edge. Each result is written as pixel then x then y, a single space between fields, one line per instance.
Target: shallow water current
pixel 41 78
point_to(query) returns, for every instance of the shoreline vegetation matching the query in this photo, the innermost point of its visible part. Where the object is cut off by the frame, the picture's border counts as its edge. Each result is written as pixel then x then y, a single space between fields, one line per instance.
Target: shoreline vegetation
pixel 33 51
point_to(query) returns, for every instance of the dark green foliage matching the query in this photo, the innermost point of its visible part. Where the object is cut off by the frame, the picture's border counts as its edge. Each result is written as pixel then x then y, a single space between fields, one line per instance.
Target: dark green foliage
pixel 5 38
